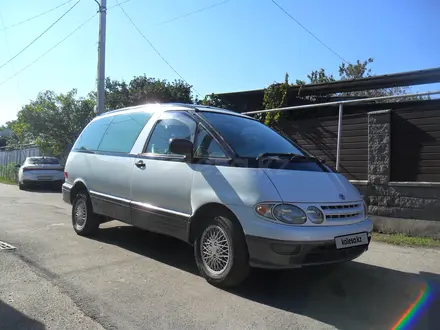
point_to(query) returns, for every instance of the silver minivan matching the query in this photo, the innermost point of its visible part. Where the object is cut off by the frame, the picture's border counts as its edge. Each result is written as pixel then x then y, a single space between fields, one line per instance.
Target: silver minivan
pixel 242 194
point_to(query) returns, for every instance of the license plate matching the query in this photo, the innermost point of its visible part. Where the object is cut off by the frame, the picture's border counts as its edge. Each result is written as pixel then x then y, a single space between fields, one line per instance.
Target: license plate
pixel 351 240
pixel 44 178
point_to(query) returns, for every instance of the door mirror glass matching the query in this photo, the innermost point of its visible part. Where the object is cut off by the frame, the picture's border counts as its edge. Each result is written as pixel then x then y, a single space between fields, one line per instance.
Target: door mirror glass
pixel 181 147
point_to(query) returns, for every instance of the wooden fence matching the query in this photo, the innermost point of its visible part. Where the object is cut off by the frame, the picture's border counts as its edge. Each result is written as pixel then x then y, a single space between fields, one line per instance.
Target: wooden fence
pixel 17 156
pixel 415 139
pixel 415 143
pixel 319 136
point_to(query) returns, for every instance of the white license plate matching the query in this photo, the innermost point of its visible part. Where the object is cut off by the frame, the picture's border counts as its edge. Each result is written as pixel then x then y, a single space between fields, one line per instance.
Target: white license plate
pixel 44 178
pixel 351 240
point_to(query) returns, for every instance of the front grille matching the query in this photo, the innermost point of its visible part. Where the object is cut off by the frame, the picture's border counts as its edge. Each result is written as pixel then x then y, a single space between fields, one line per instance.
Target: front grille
pixel 343 211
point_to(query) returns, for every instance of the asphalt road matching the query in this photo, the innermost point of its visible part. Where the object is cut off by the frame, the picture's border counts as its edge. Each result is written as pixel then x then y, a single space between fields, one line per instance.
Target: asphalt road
pixel 126 278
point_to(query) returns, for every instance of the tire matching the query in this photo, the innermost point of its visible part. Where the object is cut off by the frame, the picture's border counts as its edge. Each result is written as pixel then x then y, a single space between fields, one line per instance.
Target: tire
pixel 84 221
pixel 236 269
pixel 22 186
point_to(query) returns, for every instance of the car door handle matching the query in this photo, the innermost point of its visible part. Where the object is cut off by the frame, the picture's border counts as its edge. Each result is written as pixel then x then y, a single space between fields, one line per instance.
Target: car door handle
pixel 140 164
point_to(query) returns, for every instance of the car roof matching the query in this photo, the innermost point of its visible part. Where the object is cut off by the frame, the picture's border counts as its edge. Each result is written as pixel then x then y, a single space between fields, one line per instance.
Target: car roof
pixel 173 107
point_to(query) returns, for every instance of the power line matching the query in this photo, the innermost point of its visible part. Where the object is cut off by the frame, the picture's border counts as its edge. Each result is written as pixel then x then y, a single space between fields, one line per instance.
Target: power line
pixel 33 41
pixel 309 32
pixel 8 49
pixel 50 49
pixel 154 48
pixel 121 3
pixel 193 12
pixel 36 16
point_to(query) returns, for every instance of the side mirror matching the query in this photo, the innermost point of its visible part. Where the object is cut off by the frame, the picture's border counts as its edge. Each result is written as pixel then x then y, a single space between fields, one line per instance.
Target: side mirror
pixel 182 147
pixel 17 165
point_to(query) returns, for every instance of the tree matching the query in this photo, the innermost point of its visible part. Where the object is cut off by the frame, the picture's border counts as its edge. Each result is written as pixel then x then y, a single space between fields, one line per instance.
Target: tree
pixel 277 92
pixel 142 89
pixel 53 121
pixel 213 100
pixel 358 70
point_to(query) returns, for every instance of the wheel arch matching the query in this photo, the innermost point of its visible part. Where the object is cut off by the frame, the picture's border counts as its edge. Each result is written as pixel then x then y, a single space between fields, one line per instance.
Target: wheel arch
pixel 207 210
pixel 78 186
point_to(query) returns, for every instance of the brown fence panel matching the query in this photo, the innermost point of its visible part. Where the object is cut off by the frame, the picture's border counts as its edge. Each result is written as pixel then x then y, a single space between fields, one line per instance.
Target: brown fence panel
pixel 415 143
pixel 319 136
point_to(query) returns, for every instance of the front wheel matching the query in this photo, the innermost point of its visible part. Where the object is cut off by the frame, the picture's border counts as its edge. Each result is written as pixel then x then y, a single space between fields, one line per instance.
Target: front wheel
pixel 221 253
pixel 84 221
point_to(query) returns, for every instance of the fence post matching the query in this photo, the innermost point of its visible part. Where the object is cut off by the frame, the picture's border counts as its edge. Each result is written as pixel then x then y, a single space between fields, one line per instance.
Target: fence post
pixel 338 145
pixel 379 147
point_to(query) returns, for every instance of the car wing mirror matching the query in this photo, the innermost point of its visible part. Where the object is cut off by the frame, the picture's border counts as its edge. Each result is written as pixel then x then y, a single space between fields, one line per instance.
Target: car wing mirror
pixel 182 147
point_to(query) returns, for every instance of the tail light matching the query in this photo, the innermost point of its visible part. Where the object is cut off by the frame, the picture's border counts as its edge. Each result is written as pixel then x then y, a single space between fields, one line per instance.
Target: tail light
pixel 25 169
pixel 66 175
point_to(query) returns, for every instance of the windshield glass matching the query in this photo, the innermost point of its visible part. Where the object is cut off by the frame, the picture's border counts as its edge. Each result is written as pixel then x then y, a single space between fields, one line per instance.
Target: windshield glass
pixel 45 160
pixel 248 137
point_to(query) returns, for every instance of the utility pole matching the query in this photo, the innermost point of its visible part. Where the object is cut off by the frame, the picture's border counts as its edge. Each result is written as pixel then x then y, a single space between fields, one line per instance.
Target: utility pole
pixel 101 56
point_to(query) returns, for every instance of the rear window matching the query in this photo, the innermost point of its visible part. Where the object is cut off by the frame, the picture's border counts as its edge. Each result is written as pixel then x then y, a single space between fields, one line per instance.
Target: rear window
pixel 43 160
pixel 116 133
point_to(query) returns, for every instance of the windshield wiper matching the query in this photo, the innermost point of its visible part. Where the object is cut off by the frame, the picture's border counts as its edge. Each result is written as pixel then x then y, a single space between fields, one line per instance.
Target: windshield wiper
pixel 85 150
pixel 292 157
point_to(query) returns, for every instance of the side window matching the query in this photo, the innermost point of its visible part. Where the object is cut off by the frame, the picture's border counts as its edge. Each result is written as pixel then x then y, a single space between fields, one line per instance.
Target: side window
pixel 123 132
pixel 92 135
pixel 172 125
pixel 206 146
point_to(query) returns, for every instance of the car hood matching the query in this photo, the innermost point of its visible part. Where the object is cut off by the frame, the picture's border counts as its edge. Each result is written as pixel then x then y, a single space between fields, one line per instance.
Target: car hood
pixel 312 187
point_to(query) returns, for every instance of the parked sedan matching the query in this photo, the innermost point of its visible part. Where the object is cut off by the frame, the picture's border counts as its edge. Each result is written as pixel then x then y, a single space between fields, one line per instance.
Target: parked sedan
pixel 40 171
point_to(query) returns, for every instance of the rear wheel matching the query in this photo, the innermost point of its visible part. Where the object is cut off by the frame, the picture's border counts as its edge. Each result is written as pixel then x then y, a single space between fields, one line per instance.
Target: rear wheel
pixel 84 221
pixel 221 252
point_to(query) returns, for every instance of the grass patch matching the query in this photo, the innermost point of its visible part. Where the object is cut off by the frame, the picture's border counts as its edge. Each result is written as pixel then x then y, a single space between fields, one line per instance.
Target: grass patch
pixel 8 173
pixel 405 240
pixel 7 181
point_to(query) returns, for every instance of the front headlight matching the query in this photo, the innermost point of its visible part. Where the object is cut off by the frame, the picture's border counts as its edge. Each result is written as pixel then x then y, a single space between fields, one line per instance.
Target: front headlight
pixel 315 215
pixel 289 214
pixel 365 209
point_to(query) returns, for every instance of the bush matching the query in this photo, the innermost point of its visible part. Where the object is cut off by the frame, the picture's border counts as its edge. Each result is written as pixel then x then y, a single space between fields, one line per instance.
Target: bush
pixel 8 173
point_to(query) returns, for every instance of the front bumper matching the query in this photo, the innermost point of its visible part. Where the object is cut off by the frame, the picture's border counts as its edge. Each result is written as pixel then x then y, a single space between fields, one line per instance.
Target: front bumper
pixel 276 254
pixel 281 246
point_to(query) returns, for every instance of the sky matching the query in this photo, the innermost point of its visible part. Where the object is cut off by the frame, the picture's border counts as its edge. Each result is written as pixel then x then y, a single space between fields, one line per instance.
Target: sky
pixel 236 45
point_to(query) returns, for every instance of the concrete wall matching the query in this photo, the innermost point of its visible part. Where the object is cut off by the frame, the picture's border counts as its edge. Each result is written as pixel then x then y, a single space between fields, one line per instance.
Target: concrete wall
pixel 405 207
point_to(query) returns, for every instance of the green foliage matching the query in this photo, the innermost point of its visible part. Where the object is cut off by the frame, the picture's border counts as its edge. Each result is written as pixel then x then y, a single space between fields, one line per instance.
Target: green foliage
pixel 214 100
pixel 275 96
pixel 141 89
pixel 8 173
pixel 53 121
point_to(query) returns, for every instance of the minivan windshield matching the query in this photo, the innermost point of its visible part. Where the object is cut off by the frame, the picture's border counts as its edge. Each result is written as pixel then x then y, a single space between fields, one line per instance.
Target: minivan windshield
pixel 248 137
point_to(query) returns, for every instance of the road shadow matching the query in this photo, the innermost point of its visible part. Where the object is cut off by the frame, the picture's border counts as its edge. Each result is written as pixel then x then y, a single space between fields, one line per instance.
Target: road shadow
pixel 348 296
pixel 10 319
